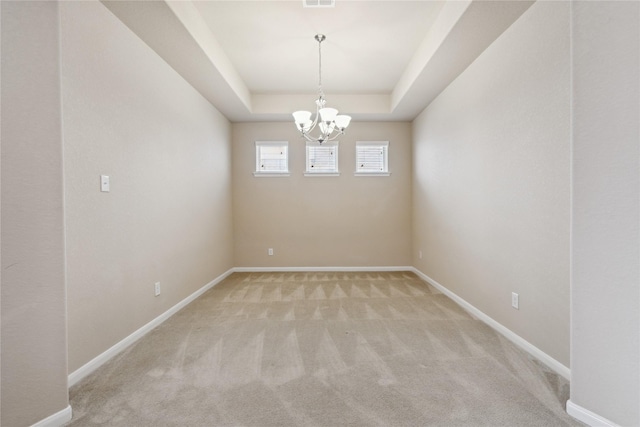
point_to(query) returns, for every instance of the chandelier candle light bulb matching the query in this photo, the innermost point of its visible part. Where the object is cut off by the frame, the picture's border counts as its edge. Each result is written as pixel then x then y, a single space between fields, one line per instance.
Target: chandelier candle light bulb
pixel 331 124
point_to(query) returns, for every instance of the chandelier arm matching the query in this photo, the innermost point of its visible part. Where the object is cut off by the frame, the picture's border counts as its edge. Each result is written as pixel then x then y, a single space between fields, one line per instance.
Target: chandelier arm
pixel 325 137
pixel 315 119
pixel 334 137
pixel 308 138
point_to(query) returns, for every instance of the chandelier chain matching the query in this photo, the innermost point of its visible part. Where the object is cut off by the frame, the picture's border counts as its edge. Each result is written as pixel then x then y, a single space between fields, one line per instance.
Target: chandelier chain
pixel 320 66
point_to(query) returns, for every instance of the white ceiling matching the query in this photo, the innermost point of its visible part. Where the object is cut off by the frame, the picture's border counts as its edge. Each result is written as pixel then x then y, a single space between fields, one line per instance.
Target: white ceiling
pixel 258 60
pixel 272 46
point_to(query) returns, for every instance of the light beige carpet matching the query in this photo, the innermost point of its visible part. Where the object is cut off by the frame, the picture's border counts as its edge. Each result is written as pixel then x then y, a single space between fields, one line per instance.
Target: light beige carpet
pixel 322 349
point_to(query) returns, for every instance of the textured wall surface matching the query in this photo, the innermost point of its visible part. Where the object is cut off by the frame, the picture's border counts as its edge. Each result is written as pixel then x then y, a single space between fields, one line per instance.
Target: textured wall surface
pixel 167 218
pixel 34 347
pixel 605 353
pixel 336 221
pixel 491 181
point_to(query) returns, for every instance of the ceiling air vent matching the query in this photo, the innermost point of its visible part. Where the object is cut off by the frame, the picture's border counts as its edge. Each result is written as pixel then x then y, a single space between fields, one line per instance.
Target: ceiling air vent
pixel 319 3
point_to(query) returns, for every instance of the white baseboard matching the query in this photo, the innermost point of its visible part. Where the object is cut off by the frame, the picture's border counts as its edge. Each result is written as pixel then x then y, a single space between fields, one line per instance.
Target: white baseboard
pixel 56 420
pixel 576 411
pixel 587 417
pixel 543 357
pixel 312 269
pixel 101 359
pixel 553 364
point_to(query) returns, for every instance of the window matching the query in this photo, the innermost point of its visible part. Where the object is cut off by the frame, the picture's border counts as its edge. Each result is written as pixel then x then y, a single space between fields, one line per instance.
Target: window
pixel 322 159
pixel 372 158
pixel 272 158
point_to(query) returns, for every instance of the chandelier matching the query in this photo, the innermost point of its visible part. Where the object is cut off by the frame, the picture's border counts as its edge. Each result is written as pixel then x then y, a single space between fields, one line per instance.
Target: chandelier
pixel 330 124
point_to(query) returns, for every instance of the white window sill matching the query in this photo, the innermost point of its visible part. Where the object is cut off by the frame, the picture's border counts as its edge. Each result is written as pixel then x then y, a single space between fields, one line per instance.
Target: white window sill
pixel 270 174
pixel 322 174
pixel 372 173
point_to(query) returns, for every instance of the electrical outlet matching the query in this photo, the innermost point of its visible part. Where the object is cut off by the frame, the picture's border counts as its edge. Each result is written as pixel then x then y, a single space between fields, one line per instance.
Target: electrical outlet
pixel 270 251
pixel 420 254
pixel 514 300
pixel 157 288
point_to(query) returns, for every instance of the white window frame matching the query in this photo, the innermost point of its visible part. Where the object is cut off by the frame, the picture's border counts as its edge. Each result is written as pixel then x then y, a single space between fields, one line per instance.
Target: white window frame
pixel 262 173
pixel 385 160
pixel 309 171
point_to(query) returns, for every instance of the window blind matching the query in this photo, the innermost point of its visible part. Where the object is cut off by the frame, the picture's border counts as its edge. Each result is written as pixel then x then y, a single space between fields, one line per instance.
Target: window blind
pixel 372 156
pixel 322 158
pixel 272 156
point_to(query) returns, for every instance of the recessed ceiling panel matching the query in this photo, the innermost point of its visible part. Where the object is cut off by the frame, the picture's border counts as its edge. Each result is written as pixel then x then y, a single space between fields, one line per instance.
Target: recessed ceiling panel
pixel 272 46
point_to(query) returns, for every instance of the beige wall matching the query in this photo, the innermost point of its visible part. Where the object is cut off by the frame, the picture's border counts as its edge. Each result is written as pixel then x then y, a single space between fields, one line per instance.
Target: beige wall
pixel 322 221
pixel 605 331
pixel 491 181
pixel 34 347
pixel 487 202
pixel 167 218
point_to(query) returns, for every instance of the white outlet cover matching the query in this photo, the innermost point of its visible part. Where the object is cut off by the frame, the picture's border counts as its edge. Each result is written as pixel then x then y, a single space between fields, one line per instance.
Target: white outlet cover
pixel 104 183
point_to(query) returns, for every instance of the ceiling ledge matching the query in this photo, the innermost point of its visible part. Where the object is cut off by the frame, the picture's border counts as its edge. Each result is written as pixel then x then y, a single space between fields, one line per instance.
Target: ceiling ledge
pixel 463 30
pixel 278 107
pixel 447 19
pixel 177 33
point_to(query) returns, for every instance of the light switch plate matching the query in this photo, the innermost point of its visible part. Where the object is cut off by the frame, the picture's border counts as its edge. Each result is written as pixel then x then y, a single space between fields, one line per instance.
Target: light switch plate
pixel 515 300
pixel 104 183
